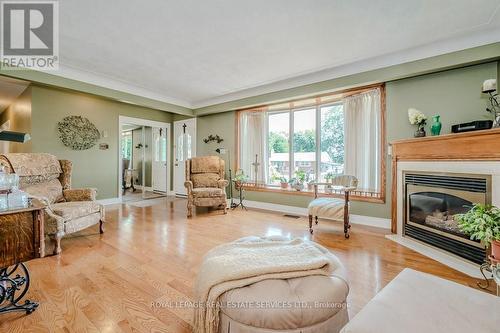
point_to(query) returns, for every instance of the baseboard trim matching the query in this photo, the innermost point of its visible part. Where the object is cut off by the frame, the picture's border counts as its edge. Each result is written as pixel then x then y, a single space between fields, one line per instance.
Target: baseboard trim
pixel 109 201
pixel 355 219
pixel 146 188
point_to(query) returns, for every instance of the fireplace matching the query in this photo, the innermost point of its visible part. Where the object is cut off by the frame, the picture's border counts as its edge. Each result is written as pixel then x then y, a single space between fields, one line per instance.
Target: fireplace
pixel 431 202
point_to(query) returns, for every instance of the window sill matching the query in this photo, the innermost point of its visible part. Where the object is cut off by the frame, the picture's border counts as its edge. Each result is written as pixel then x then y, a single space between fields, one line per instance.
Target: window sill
pixel 358 195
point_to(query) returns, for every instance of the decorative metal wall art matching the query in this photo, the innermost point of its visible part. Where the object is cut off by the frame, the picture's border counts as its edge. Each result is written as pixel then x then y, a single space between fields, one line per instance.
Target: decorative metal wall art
pixel 212 137
pixel 77 132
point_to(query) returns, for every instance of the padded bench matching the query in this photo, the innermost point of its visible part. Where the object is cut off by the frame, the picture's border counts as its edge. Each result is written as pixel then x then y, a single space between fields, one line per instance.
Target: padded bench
pixel 416 302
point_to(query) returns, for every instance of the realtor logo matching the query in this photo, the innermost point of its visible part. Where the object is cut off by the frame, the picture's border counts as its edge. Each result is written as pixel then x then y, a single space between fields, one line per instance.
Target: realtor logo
pixel 30 35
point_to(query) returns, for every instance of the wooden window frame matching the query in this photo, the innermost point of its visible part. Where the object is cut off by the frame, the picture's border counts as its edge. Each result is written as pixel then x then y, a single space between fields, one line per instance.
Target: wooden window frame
pixel 357 195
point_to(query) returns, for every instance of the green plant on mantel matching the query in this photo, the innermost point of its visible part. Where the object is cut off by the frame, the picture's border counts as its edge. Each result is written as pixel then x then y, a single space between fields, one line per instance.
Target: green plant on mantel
pixel 481 222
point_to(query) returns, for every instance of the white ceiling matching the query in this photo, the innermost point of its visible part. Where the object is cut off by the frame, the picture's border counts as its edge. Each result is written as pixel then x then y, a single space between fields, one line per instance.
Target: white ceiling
pixel 197 53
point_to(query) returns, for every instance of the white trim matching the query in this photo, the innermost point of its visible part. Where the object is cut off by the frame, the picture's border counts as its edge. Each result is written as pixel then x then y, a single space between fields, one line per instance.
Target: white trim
pixel 146 188
pixel 454 262
pixel 301 211
pixel 144 122
pixel 328 72
pixel 356 66
pixel 110 201
pixel 194 151
pixel 101 80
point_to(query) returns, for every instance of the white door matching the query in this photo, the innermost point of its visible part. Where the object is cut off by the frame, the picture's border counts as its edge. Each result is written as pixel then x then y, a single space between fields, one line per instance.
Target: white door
pixel 184 148
pixel 160 151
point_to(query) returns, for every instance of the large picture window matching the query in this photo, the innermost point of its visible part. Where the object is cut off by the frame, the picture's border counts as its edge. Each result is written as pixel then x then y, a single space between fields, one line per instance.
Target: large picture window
pixel 319 137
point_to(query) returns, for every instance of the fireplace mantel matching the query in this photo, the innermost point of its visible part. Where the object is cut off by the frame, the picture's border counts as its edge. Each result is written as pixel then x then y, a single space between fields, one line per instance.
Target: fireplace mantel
pixel 470 146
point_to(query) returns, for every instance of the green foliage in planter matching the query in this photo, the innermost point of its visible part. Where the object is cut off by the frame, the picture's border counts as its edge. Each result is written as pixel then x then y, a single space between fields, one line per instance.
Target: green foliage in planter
pixel 240 178
pixel 300 176
pixel 481 222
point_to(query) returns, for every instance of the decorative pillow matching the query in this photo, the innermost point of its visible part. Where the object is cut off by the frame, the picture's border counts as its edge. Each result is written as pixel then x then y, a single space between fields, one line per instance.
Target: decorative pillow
pixel 36 179
pixel 205 164
pixel 51 190
pixel 205 179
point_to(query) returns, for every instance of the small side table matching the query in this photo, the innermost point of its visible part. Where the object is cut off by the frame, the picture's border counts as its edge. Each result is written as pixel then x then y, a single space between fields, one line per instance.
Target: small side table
pixel 22 235
pixel 240 196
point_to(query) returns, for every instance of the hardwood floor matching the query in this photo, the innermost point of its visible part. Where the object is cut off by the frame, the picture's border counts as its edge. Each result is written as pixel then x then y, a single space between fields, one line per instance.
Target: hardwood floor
pixel 149 256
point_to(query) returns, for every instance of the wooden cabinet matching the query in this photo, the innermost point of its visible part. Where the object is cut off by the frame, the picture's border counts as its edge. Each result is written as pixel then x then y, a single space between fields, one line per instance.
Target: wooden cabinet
pixel 21 239
pixel 21 235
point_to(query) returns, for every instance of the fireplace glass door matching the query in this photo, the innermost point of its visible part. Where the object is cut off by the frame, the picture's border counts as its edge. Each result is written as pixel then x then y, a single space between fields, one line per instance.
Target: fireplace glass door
pixel 432 201
pixel 434 208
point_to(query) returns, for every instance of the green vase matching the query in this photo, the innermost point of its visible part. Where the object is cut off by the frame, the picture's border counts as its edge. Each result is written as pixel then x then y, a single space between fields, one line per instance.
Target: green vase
pixel 436 126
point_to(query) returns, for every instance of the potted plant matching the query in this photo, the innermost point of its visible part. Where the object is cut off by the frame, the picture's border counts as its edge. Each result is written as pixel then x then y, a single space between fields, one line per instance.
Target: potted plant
pixel 239 179
pixel 310 182
pixel 298 181
pixel 419 119
pixel 482 222
pixel 283 182
pixel 329 179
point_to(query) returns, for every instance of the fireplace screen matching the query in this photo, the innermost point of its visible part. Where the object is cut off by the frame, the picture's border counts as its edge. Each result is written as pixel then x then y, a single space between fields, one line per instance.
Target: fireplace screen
pixel 433 200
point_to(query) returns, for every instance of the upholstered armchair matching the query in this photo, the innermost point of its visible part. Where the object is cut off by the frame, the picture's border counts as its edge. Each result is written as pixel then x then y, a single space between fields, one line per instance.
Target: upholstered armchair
pixel 47 179
pixel 205 183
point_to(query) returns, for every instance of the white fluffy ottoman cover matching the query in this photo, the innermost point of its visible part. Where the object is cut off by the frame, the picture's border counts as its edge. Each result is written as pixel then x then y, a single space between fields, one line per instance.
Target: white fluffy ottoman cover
pixel 305 304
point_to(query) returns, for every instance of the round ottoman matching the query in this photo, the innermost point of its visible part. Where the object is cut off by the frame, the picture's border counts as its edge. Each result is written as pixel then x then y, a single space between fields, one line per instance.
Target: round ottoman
pixel 312 304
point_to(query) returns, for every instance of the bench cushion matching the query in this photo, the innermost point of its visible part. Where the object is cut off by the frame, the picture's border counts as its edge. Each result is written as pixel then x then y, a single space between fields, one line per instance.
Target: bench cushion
pixel 332 208
pixel 416 302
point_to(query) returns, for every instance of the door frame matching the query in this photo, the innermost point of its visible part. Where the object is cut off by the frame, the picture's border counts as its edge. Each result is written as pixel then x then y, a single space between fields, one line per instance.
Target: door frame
pixel 142 122
pixel 153 173
pixel 193 145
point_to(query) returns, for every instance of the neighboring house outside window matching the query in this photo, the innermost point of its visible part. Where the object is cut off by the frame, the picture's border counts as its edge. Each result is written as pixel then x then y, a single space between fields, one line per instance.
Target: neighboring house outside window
pixel 321 136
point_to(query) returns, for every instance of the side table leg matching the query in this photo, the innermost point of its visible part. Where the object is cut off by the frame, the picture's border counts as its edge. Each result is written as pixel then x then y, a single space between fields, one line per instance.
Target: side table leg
pixel 484 267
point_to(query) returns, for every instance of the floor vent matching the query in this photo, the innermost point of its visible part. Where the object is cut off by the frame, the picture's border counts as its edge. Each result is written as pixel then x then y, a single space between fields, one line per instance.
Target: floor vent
pixel 291 216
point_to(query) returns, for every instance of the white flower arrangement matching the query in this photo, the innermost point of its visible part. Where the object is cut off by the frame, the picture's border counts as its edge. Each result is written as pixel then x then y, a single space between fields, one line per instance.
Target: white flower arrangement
pixel 416 117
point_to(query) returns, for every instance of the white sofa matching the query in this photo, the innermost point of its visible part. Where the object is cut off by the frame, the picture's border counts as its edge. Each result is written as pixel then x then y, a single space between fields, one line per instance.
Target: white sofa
pixel 416 302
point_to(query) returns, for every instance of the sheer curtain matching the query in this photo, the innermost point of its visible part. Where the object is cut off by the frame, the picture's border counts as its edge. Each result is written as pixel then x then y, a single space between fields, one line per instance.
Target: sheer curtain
pixel 252 143
pixel 362 128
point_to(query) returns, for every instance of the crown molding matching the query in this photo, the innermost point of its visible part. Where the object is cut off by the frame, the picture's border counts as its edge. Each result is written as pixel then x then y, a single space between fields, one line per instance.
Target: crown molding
pixel 468 41
pixel 98 79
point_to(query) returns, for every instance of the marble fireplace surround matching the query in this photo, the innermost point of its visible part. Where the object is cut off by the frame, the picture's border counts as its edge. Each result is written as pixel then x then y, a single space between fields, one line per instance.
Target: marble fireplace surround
pixel 471 153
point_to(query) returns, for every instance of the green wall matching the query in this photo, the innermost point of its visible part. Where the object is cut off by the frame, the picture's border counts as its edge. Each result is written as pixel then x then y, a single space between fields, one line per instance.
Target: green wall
pixel 454 94
pixel 93 167
pixel 222 124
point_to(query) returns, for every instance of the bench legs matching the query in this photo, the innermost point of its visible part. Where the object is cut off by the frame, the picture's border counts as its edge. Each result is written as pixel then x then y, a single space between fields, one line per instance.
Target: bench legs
pixel 347 225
